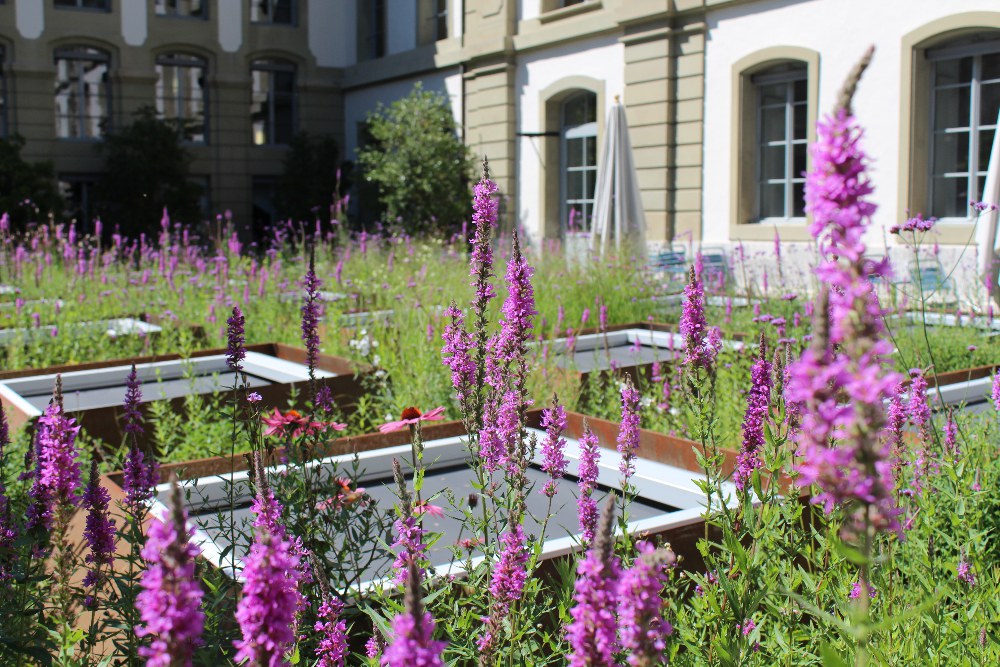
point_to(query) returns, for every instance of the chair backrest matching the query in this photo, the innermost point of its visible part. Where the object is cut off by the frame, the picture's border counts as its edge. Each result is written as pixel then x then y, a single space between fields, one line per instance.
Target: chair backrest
pixel 928 276
pixel 667 259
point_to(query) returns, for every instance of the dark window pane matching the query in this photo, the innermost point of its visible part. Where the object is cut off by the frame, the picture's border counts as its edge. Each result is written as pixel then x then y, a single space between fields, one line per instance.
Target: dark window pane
pixel 799 160
pixel 591 183
pixel 574 186
pixel 579 110
pixel 799 200
pixel 985 146
pixel 951 198
pixel 772 201
pixel 574 152
pixel 951 152
pixel 775 93
pixel 283 12
pixel 951 107
pixel 772 120
pixel 980 188
pixel 773 163
pixel 989 103
pixel 801 123
pixel 591 153
pixel 991 66
pixel 800 90
pixel 956 70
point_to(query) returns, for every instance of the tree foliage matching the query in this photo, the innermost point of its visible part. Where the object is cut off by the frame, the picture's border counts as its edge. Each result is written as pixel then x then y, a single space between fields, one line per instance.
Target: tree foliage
pixel 28 190
pixel 309 183
pixel 146 169
pixel 418 163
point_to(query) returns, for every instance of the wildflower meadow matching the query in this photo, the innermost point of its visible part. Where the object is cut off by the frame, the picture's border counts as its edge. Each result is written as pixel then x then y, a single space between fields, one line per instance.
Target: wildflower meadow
pixel 480 499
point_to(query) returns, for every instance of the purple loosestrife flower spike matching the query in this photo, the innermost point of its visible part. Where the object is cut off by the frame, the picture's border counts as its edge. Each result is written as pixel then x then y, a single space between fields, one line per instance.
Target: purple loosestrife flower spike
pixel 332 631
pixel 133 399
pixel 413 643
pixel 457 355
pixel 485 208
pixel 170 601
pixel 590 454
pixel 271 598
pixel 58 458
pixel 640 606
pixel 236 338
pixel 554 461
pixel 758 404
pixel 842 380
pixel 698 352
pixel 592 634
pixel 628 432
pixel 951 437
pixel 99 531
pixel 895 426
pixel 8 538
pixel 506 587
pixel 311 314
pixel 996 390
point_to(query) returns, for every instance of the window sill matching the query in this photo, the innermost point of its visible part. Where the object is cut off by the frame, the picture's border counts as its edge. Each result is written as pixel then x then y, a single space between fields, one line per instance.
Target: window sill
pixel 796 229
pixel 954 231
pixel 572 10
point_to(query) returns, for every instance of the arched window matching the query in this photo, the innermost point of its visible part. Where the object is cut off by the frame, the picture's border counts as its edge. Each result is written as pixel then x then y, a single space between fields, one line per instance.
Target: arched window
pixel 578 161
pixel 781 141
pixel 272 102
pixel 964 104
pixel 82 92
pixel 180 93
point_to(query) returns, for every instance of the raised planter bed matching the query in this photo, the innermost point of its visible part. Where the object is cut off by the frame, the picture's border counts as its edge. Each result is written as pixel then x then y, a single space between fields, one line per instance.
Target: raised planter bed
pixel 971 388
pixel 669 503
pixel 630 349
pixel 95 391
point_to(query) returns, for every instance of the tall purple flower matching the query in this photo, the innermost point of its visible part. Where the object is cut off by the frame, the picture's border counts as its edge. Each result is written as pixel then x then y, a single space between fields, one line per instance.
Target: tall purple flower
pixel 409 541
pixel 99 530
pixel 842 380
pixel 506 584
pixel 311 314
pixel 758 403
pixel 628 431
pixel 951 437
pixel 236 340
pixel 517 313
pixel 170 601
pixel 271 598
pixel 699 350
pixel 58 458
pixel 457 354
pixel 133 399
pixel 925 465
pixel 140 478
pixel 590 455
pixel 485 210
pixel 554 461
pixel 332 631
pixel 592 633
pixel 897 418
pixel 640 606
pixel 996 390
pixel 8 537
pixel 412 643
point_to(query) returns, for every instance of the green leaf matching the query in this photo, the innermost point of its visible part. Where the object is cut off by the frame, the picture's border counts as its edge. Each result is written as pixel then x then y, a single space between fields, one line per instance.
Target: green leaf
pixel 830 657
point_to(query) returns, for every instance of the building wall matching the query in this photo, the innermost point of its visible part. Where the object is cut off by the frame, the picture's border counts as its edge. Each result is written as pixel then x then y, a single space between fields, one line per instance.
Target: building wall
pixel 134 36
pixel 839 31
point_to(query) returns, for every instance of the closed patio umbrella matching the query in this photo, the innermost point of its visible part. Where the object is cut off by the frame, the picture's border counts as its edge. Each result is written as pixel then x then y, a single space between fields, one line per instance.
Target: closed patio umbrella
pixel 987 236
pixel 618 212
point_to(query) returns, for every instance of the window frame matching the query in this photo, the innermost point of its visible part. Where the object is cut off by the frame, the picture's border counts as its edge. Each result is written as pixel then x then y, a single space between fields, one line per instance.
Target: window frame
pixel 789 77
pixel 293 23
pixel 167 14
pixel 935 56
pixel 274 65
pixel 180 59
pixel 86 53
pixel 569 133
pixel 78 6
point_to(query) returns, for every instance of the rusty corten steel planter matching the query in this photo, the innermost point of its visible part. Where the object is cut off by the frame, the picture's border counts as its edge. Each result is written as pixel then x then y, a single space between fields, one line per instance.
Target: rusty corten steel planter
pixel 93 392
pixel 655 448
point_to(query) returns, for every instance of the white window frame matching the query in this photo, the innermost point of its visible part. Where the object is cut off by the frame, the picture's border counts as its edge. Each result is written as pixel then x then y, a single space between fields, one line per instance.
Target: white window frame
pixel 567 134
pixel 975 126
pixel 789 179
